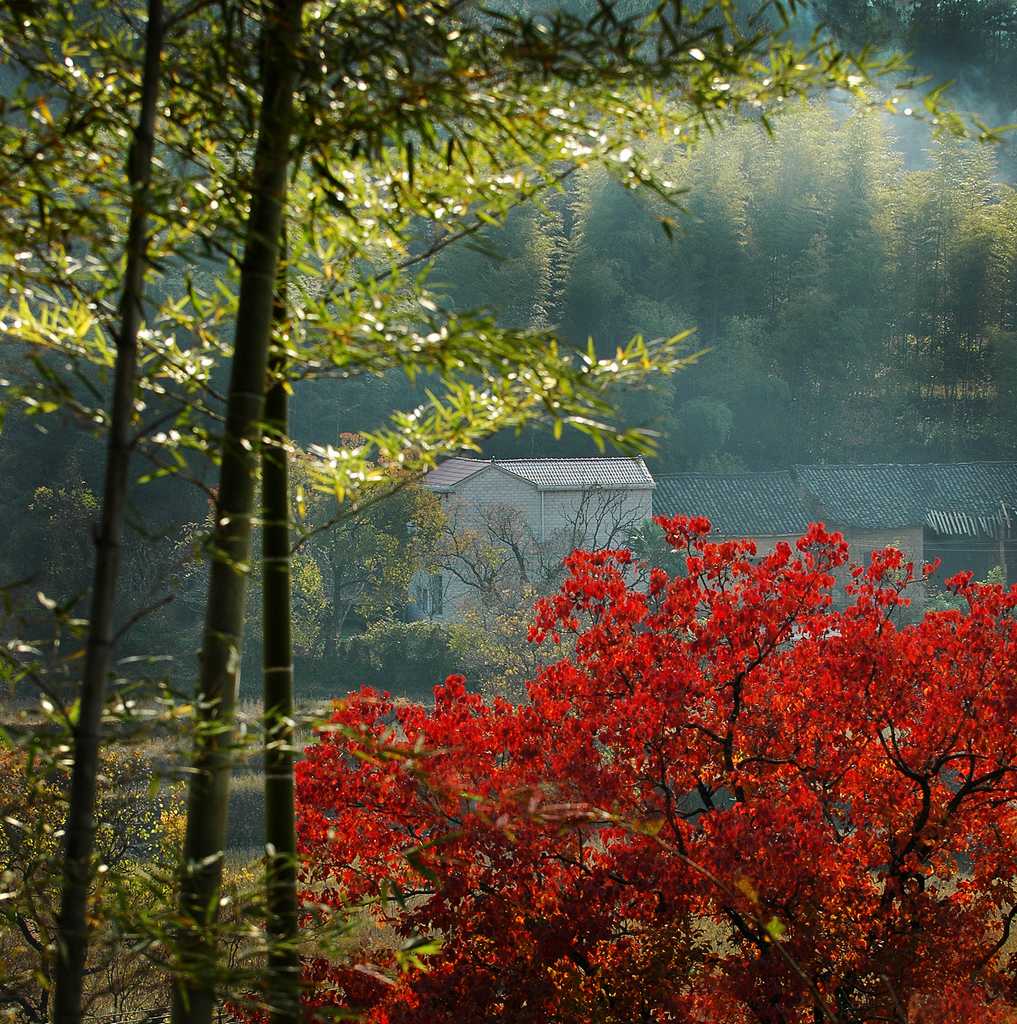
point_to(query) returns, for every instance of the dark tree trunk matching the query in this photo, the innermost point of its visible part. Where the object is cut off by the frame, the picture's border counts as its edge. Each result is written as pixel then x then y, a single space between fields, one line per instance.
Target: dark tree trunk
pixel 280 832
pixel 79 844
pixel 336 615
pixel 195 990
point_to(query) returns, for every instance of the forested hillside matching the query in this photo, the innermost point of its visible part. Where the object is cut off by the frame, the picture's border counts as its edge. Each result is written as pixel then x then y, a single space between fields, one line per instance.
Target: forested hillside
pixel 857 306
pixel 852 280
pixel 856 302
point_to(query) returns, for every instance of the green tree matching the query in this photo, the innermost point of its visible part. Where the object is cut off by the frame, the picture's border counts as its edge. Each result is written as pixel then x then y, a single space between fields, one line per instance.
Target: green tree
pixel 384 136
pixel 128 830
pixel 277 680
pixel 572 55
pixel 65 514
pixel 72 933
pixel 364 553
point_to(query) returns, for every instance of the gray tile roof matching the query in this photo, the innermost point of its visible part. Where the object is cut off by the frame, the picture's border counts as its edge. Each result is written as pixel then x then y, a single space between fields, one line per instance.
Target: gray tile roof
pixel 955 498
pixel 881 496
pixel 581 474
pixel 452 471
pixel 737 504
pixel 969 498
pixel 550 474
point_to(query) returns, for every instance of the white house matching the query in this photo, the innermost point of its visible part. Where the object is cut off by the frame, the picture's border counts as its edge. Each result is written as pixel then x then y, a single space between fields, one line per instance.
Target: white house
pixel 510 521
pixel 517 518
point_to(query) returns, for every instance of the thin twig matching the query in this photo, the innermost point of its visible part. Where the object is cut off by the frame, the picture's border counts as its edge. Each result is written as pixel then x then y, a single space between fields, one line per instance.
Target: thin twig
pixel 141 614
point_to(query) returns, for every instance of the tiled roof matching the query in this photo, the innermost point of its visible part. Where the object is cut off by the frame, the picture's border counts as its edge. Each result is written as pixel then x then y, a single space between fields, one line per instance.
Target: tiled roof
pixel 874 496
pixel 550 474
pixel 972 498
pixel 737 504
pixel 956 498
pixel 580 474
pixel 452 471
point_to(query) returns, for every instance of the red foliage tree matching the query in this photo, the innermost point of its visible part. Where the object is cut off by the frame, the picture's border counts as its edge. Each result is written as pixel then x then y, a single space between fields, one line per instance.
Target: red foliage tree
pixel 736 803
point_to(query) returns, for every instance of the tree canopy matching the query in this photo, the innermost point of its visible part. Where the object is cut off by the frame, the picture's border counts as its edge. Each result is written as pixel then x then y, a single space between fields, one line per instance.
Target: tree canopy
pixel 733 803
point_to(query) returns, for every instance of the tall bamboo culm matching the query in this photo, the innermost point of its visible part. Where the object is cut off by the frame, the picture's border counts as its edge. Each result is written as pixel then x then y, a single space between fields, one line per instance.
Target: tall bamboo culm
pixel 280 834
pixel 79 842
pixel 194 992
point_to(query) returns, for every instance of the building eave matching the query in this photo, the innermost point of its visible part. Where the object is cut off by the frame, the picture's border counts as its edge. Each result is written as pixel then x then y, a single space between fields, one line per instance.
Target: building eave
pixel 627 488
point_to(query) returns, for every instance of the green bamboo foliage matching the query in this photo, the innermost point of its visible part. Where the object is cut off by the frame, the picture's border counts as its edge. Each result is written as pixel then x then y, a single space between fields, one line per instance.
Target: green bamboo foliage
pixel 195 992
pixel 72 925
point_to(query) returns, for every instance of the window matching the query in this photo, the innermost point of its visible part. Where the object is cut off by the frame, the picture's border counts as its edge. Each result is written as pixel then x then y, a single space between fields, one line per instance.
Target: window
pixel 437 594
pixel 420 595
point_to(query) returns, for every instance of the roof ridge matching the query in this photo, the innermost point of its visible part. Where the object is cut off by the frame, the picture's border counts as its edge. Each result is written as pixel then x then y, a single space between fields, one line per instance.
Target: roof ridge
pixel 573 458
pixel 902 465
pixel 740 475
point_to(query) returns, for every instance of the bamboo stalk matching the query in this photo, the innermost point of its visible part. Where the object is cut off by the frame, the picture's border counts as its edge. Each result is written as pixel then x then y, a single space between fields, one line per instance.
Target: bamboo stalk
pixel 79 843
pixel 195 991
pixel 280 827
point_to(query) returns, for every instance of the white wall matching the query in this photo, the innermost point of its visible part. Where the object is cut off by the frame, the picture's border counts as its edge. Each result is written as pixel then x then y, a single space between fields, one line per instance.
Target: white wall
pixel 609 515
pixel 604 518
pixel 493 486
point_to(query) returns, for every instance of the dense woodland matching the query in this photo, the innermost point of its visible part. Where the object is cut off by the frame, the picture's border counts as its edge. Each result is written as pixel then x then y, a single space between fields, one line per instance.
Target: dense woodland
pixel 857 303
pixel 263 265
pixel 855 298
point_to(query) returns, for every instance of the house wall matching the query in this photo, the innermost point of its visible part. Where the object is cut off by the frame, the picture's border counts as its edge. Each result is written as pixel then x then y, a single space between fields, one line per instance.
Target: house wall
pixel 609 515
pixel 493 486
pixel 465 502
pixel 861 544
pixel 765 543
pixel 909 539
pixel 978 554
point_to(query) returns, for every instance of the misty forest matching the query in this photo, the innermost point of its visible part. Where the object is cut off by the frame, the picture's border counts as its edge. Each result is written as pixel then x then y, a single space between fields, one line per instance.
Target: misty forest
pixel 510 511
